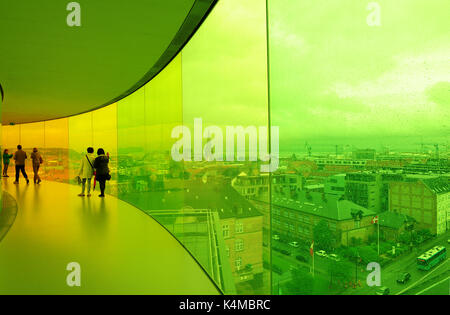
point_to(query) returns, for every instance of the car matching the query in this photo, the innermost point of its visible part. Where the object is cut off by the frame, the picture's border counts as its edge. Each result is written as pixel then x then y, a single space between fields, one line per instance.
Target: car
pixel 382 291
pixel 276 237
pixel 334 257
pixel 321 253
pixel 404 277
pixel 294 244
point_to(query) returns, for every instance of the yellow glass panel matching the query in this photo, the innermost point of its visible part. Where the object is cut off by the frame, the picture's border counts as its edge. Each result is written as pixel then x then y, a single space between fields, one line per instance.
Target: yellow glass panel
pixel 32 136
pixel 56 152
pixel 11 137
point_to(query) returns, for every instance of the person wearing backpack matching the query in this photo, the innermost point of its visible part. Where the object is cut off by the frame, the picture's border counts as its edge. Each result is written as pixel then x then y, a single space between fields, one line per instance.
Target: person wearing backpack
pixel 36 158
pixel 102 170
pixel 87 171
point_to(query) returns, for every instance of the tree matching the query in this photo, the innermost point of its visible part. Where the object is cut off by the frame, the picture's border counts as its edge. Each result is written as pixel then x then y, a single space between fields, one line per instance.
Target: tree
pixel 340 271
pixel 302 283
pixel 368 254
pixel 323 236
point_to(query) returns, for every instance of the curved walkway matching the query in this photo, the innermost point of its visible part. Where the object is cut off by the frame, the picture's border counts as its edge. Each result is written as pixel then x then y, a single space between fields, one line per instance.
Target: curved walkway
pixel 120 249
pixel 8 213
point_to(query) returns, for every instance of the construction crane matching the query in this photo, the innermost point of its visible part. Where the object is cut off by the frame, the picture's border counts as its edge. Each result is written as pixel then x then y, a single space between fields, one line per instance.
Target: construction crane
pixel 308 148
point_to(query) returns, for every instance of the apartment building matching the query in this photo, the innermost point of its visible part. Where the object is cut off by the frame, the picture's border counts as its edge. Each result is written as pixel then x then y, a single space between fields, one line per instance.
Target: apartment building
pixel 425 198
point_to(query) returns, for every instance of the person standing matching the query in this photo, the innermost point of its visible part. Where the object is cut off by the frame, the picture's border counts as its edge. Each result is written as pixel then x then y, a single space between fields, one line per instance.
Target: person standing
pixel 87 171
pixel 36 158
pixel 6 159
pixel 102 170
pixel 19 157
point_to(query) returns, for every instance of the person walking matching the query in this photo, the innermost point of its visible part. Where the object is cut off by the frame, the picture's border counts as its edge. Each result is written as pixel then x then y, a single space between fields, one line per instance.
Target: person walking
pixel 19 157
pixel 36 158
pixel 6 159
pixel 87 171
pixel 102 170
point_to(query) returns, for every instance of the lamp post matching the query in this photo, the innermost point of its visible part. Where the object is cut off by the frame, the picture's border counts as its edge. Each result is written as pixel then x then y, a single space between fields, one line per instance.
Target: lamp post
pixel 357 215
pixel 409 226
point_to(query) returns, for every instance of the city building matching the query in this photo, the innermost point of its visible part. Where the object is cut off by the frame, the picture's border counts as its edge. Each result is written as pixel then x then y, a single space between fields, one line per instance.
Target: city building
pixel 335 185
pixel 364 189
pixel 392 224
pixel 364 154
pixel 424 198
pixel 296 218
pixel 238 221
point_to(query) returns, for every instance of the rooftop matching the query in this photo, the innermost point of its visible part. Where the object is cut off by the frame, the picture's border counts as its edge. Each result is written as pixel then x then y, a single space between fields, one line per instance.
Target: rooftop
pixel 328 206
pixel 393 220
pixel 198 194
pixel 439 185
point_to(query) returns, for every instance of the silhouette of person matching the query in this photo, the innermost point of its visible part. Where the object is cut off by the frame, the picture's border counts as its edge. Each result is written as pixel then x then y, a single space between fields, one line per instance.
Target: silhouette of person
pixel 19 157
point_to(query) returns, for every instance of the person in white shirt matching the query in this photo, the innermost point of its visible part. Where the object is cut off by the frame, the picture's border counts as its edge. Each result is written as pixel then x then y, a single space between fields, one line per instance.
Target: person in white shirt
pixel 87 171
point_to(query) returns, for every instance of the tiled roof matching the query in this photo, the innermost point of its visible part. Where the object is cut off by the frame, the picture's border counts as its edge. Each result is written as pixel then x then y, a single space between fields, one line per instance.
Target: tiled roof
pixel 439 185
pixel 393 219
pixel 330 206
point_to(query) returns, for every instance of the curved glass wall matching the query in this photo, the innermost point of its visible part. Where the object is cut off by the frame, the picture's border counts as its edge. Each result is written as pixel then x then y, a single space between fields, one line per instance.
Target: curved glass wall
pixel 213 80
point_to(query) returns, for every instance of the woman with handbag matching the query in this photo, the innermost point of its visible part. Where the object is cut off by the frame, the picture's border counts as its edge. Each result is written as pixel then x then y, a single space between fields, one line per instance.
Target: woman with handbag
pixel 86 171
pixel 102 170
pixel 36 158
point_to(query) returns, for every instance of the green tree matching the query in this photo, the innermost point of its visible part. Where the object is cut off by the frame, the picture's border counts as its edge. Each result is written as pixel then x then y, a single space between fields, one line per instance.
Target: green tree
pixel 368 254
pixel 323 237
pixel 302 283
pixel 340 271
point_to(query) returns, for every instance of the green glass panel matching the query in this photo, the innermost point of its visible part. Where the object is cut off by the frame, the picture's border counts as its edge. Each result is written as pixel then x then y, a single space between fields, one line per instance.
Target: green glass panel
pixel 131 145
pixel 360 92
pixel 225 84
pixel 104 133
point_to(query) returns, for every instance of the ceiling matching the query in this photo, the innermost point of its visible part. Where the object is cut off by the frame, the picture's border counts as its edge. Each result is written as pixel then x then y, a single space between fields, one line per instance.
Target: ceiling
pixel 50 70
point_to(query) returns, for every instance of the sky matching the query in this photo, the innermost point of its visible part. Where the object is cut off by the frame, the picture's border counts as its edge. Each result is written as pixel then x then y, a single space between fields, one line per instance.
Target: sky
pixel 336 80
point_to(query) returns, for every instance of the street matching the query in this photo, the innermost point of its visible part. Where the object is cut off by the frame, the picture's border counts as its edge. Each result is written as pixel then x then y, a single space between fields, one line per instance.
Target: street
pixel 434 281
pixel 420 280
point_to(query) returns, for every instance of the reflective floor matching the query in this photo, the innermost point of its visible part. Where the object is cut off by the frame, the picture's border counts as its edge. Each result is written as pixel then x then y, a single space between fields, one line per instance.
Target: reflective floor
pixel 120 249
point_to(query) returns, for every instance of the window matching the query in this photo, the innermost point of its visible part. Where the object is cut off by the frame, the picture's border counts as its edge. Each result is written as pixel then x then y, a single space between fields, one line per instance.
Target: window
pixel 239 227
pixel 332 226
pixel 239 245
pixel 226 230
pixel 227 251
pixel 238 263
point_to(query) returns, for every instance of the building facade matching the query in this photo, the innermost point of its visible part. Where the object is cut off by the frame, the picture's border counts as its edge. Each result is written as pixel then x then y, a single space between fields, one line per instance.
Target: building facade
pixel 427 200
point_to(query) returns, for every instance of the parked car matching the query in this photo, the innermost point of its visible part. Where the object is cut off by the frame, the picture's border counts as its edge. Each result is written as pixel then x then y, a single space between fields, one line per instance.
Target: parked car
pixel 294 244
pixel 321 253
pixel 334 257
pixel 404 277
pixel 277 269
pixel 382 291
